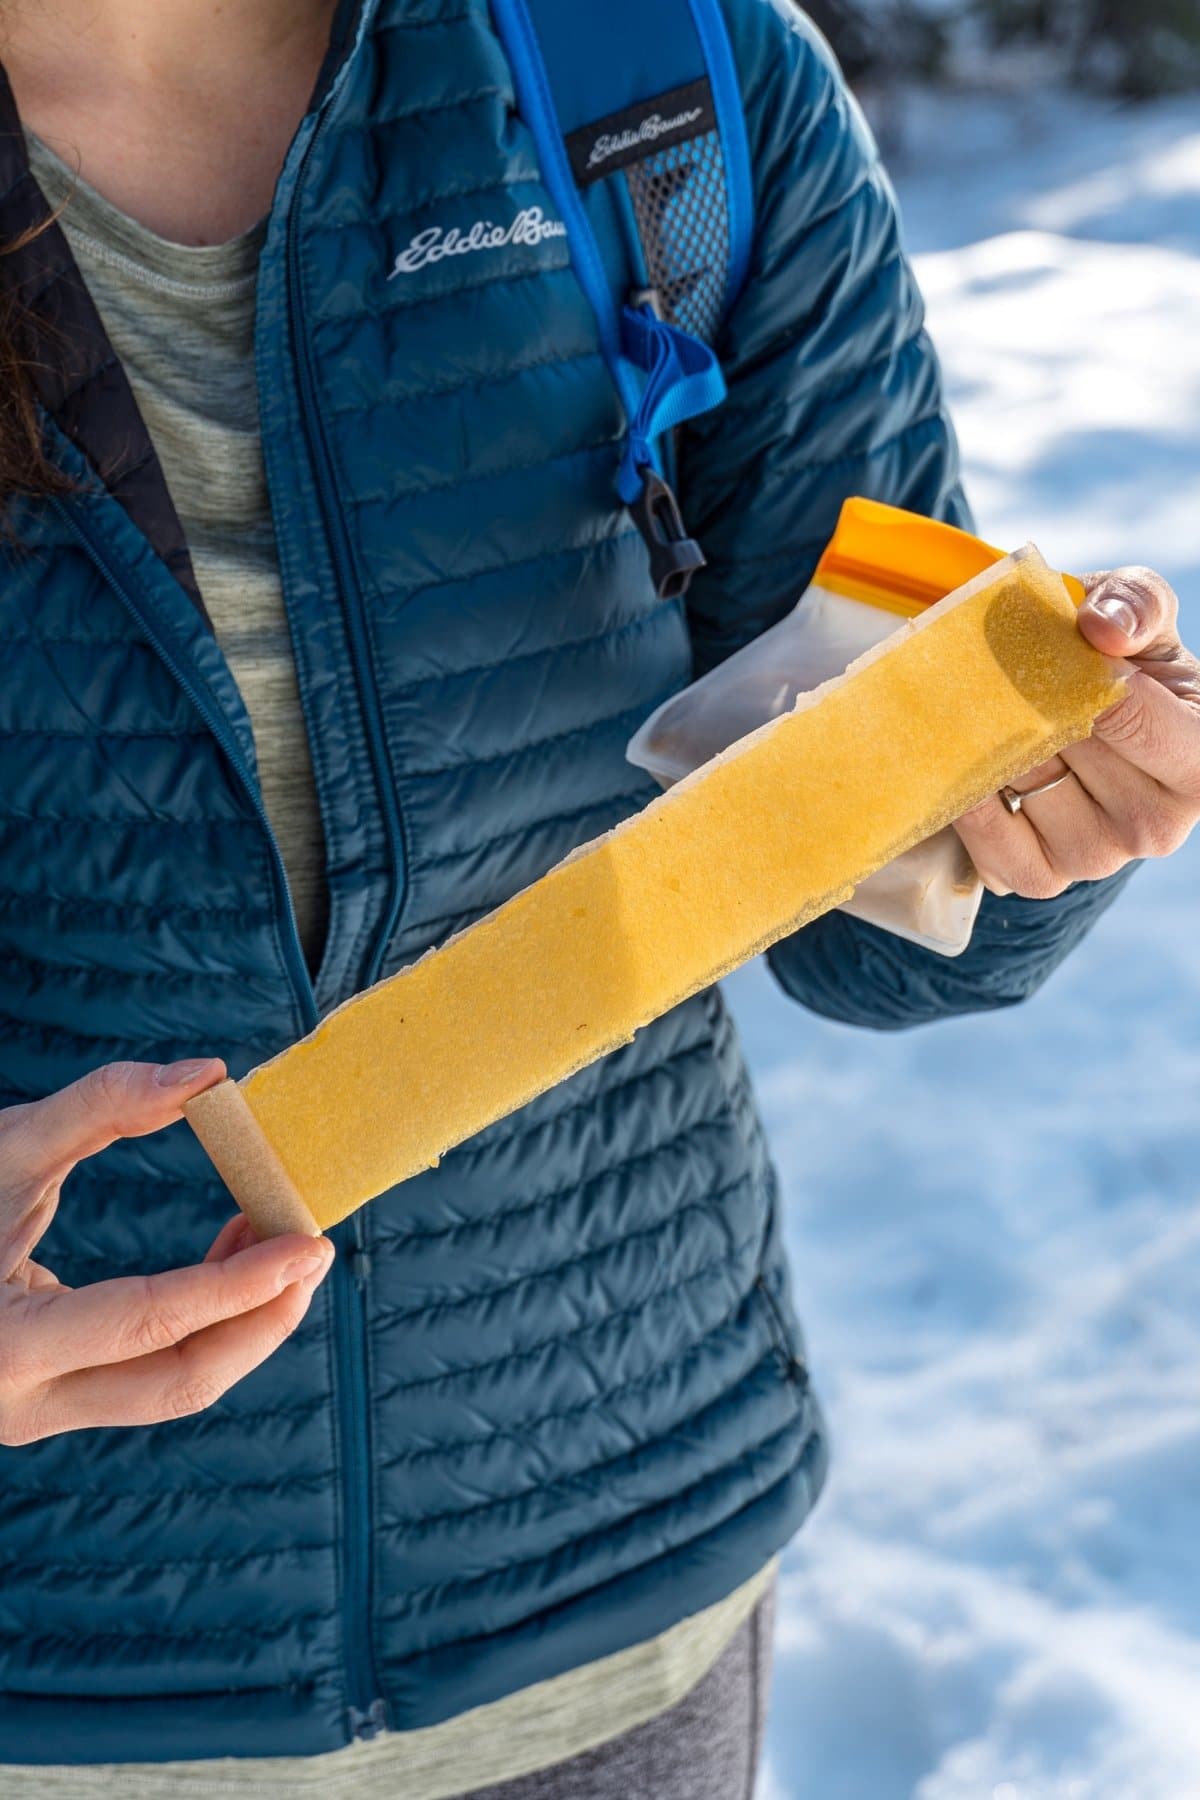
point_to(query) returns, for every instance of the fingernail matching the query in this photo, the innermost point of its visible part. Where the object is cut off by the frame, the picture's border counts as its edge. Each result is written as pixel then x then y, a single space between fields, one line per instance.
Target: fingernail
pixel 303 1268
pixel 177 1073
pixel 1118 613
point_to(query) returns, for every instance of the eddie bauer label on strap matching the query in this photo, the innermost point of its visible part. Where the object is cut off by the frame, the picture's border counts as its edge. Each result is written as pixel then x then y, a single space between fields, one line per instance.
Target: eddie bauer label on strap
pixel 625 136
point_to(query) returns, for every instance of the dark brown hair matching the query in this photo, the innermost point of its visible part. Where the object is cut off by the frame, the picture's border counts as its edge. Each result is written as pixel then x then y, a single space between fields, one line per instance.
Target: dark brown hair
pixel 25 467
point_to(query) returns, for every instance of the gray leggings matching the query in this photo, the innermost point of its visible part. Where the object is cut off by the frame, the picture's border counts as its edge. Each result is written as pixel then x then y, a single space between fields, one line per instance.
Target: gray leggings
pixel 705 1747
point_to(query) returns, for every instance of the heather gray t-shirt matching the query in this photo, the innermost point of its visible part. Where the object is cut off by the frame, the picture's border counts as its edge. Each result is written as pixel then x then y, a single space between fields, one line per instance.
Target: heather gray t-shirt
pixel 181 319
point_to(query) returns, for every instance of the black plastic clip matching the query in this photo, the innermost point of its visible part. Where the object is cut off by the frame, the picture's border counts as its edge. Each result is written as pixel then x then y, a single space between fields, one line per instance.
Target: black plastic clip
pixel 674 556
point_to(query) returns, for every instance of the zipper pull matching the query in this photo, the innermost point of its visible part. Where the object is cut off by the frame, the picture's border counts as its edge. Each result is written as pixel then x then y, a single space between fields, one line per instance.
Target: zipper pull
pixel 370 1723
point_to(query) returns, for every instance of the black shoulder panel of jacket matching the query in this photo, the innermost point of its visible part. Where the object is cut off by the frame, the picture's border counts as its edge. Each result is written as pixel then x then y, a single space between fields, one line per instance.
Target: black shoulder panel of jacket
pixel 77 375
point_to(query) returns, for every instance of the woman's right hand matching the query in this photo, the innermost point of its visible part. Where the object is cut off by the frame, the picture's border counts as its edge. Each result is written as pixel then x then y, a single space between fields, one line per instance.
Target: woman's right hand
pixel 141 1348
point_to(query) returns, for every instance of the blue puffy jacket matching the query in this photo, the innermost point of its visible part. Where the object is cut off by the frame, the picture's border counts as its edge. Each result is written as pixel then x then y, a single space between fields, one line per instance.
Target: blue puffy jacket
pixel 554 1396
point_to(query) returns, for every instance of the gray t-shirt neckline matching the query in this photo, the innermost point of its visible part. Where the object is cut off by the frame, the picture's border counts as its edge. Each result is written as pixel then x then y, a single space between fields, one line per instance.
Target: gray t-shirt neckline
pixel 212 271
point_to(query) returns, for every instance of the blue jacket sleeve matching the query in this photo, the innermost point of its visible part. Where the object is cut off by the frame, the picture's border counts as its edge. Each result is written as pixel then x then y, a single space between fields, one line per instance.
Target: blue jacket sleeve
pixel 834 386
pixel 834 389
pixel 850 971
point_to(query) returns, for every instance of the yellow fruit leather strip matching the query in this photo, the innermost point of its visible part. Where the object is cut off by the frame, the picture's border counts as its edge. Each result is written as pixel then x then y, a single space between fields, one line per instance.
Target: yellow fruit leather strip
pixel 775 831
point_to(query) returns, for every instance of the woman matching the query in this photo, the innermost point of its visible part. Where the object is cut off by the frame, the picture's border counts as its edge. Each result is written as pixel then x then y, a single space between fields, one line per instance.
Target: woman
pixel 324 634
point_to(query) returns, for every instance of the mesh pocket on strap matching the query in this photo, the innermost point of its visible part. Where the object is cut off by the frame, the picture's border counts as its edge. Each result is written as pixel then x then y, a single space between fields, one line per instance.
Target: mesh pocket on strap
pixel 678 196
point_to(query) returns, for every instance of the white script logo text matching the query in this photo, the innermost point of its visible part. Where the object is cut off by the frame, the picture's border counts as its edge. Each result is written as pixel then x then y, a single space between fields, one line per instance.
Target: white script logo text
pixel 433 245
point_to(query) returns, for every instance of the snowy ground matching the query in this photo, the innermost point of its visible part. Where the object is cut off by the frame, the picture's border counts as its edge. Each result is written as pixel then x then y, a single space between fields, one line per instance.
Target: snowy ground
pixel 994 1223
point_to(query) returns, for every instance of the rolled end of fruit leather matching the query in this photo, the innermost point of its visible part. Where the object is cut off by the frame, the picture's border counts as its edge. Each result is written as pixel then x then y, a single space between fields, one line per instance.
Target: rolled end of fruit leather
pixel 248 1162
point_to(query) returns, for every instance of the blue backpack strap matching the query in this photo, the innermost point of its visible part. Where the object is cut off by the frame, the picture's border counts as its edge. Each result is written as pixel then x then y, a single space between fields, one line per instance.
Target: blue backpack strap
pixel 637 115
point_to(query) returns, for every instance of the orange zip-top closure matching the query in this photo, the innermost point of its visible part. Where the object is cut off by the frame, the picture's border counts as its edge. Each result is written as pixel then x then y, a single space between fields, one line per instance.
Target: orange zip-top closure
pixel 903 562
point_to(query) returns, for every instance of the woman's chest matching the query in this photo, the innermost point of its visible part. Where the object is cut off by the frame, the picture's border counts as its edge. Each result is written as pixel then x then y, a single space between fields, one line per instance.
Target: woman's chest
pixel 474 628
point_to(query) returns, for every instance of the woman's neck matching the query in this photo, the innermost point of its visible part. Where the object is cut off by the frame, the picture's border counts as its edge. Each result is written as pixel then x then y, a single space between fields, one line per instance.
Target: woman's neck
pixel 179 113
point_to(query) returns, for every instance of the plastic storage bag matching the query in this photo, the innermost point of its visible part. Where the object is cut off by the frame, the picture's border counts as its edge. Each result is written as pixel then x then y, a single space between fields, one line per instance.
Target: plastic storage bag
pixel 882 566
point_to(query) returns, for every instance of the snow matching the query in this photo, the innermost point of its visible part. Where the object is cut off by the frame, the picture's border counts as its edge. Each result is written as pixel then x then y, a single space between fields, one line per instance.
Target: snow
pixel 993 1222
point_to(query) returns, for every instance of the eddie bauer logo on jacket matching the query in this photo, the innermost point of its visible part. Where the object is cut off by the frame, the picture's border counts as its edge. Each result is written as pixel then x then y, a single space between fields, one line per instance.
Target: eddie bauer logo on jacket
pixel 638 131
pixel 433 245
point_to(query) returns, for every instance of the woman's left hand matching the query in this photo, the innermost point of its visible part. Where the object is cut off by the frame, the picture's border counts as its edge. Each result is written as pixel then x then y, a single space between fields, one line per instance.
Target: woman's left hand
pixel 1133 787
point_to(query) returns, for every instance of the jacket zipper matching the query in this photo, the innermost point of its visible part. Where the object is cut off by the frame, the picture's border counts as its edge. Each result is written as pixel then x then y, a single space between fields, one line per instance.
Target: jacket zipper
pixel 366 1711
pixel 335 537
